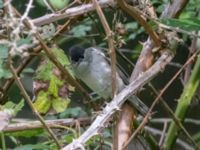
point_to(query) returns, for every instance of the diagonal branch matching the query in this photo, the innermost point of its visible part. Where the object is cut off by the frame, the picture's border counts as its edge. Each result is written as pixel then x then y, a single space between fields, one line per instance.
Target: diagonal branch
pixel 138 16
pixel 27 98
pixel 120 98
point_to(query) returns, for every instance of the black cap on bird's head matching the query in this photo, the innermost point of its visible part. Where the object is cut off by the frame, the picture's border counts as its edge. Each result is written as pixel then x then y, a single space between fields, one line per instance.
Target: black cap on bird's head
pixel 76 53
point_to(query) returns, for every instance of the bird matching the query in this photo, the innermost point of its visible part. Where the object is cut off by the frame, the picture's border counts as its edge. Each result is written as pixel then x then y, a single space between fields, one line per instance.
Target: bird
pixel 91 66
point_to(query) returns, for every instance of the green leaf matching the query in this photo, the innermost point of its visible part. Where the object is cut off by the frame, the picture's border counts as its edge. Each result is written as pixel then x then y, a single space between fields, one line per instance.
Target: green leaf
pixel 48 31
pixel 44 71
pixel 42 103
pixel 81 30
pixel 23 41
pixel 19 106
pixel 1 4
pixel 57 5
pixel 63 59
pixel 188 24
pixel 26 133
pixel 68 138
pixel 54 86
pixel 14 107
pixel 131 26
pixel 60 104
pixel 4 51
pixel 28 70
pixel 4 72
pixel 72 112
pixel 32 147
pixel 60 55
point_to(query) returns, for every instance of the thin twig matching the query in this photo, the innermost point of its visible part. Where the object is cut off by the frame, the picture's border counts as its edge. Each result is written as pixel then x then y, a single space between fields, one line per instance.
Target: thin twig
pixel 145 120
pixel 179 30
pixel 166 106
pixel 168 120
pixel 140 18
pixel 155 131
pixel 163 134
pixel 111 51
pixel 28 100
pixel 67 76
pixel 109 37
pixel 169 110
pixel 30 125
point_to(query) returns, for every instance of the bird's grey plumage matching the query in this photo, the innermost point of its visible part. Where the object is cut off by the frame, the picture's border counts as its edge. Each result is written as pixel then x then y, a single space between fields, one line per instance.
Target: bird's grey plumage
pixel 95 72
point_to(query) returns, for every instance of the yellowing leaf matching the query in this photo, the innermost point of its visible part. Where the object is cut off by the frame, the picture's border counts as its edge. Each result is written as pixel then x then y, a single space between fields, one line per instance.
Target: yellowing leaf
pixel 60 104
pixel 42 103
pixel 54 86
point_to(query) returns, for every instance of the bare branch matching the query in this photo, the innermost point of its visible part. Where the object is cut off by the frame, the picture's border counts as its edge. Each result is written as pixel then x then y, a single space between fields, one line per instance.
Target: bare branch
pixel 71 12
pixel 109 37
pixel 120 98
pixel 145 120
pixel 141 19
pixel 29 125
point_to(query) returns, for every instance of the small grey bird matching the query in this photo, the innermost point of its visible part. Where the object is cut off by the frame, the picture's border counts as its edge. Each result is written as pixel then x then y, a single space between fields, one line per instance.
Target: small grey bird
pixel 91 66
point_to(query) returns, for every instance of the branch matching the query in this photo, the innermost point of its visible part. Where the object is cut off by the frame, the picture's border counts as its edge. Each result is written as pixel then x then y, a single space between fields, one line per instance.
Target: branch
pixel 120 98
pixel 30 125
pixel 138 16
pixel 157 132
pixel 183 105
pixel 146 57
pixel 28 100
pixel 174 8
pixel 109 37
pixel 178 123
pixel 71 12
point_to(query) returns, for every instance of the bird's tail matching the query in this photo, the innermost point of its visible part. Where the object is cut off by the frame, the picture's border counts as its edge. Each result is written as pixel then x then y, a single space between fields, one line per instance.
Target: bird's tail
pixel 139 105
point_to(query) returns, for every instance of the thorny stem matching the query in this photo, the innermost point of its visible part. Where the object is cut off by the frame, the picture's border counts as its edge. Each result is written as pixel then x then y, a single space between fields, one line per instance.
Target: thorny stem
pixel 145 120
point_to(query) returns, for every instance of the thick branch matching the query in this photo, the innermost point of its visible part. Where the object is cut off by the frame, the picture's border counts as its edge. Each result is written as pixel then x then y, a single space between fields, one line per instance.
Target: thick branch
pixel 147 57
pixel 120 98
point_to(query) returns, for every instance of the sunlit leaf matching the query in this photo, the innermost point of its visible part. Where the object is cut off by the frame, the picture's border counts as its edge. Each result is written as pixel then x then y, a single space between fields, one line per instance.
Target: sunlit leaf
pixel 42 103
